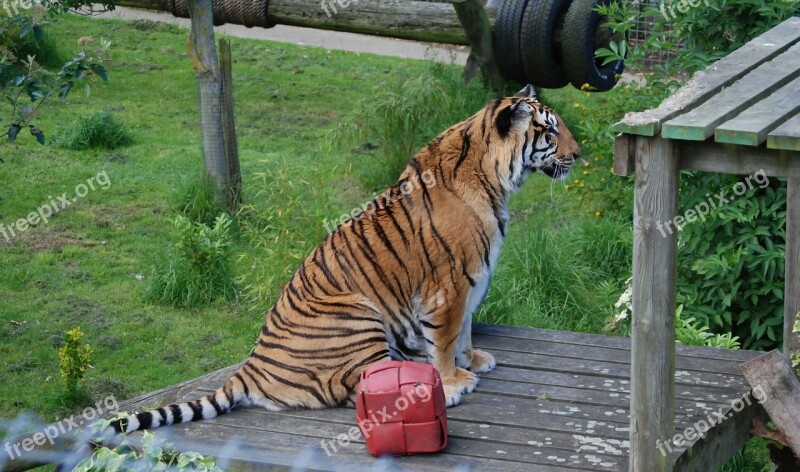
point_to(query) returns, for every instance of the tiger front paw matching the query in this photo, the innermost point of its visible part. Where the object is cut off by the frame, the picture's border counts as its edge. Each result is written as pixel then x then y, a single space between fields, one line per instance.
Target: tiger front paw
pixel 482 361
pixel 456 386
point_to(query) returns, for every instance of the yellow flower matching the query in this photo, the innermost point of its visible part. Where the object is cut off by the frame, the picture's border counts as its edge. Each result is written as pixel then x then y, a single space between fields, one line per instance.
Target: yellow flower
pixel 585 87
pixel 583 184
pixel 586 164
pixel 567 187
pixel 577 105
pixel 586 172
pixel 597 213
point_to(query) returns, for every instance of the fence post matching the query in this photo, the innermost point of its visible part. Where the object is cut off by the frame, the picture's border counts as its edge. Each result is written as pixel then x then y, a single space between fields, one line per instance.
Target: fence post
pixel 229 127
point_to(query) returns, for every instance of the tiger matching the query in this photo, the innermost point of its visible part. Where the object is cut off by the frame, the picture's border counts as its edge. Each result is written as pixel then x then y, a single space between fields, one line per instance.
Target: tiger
pixel 402 279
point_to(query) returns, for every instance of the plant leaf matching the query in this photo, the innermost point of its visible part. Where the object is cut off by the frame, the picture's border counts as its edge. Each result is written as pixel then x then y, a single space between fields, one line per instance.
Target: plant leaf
pixel 13 131
pixel 100 71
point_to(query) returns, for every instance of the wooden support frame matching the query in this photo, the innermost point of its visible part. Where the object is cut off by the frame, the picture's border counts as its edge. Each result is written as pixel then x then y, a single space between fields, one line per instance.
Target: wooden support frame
pixel 653 329
pixel 791 293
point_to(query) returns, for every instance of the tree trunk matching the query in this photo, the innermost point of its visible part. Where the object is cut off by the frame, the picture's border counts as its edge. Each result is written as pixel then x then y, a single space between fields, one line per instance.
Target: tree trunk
pixel 203 54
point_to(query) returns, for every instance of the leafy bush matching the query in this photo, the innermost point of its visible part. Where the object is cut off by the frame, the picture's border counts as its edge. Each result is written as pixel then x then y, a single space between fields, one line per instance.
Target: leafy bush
pixel 98 131
pixel 731 266
pixel 198 271
pixel 74 359
pixel 687 330
pixel 199 200
pixel 153 455
pixel 29 79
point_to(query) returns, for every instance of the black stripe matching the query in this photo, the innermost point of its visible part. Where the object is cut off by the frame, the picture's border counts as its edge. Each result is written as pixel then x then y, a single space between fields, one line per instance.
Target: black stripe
pixel 145 420
pixel 212 399
pixel 177 414
pixel 197 410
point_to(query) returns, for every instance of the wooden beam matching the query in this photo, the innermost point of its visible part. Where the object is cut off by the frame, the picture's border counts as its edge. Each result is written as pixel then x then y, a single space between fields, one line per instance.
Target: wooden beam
pixel 773 378
pixel 751 127
pixel 653 327
pixel 709 156
pixel 406 19
pixel 786 136
pixel 791 291
pixel 716 77
pixel 699 123
pixel 476 25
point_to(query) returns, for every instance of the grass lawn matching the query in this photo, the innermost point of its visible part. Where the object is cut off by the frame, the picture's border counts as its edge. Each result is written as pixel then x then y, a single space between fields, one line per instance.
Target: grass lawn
pixel 89 266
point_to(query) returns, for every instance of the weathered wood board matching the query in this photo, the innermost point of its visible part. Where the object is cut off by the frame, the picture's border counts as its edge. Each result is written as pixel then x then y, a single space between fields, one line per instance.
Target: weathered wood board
pixel 700 122
pixel 718 76
pixel 786 136
pixel 750 128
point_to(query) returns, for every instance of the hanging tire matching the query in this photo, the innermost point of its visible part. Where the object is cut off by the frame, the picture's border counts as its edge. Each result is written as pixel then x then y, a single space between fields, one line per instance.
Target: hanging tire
pixel 540 42
pixel 582 36
pixel 507 39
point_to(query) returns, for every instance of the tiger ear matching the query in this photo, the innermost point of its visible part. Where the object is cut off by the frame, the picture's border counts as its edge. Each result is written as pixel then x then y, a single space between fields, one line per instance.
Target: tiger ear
pixel 515 113
pixel 527 92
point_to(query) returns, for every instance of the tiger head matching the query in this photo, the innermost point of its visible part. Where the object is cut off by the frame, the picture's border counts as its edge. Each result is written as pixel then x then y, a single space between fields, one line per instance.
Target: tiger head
pixel 530 138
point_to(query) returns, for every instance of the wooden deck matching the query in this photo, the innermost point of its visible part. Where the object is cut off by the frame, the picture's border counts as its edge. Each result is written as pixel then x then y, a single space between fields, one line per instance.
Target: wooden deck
pixel 557 401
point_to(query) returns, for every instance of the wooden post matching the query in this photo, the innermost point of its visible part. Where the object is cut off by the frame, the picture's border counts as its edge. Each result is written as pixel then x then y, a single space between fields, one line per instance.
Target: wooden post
pixel 777 388
pixel 791 292
pixel 203 54
pixel 476 25
pixel 229 127
pixel 653 329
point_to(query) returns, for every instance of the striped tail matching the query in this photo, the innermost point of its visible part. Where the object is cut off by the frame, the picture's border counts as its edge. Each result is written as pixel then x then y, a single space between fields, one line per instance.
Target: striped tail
pixel 212 405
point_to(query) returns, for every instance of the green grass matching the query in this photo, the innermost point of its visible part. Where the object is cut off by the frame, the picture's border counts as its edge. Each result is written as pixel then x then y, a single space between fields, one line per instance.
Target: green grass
pixel 562 266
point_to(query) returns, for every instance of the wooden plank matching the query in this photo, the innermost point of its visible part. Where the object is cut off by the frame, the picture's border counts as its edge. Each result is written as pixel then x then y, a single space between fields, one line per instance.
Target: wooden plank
pixel 700 122
pixel 515 347
pixel 786 136
pixel 720 443
pixel 586 339
pixel 773 375
pixel 710 156
pixel 750 128
pixel 716 77
pixel 597 390
pixel 791 291
pixel 623 154
pixel 653 325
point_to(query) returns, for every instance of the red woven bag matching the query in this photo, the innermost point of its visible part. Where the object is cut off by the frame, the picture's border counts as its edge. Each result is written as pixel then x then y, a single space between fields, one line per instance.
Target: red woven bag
pixel 400 408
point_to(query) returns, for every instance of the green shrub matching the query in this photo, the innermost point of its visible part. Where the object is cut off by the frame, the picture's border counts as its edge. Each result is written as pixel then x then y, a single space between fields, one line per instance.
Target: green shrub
pixel 74 360
pixel 153 455
pixel 98 131
pixel 731 266
pixel 198 271
pixel 199 200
